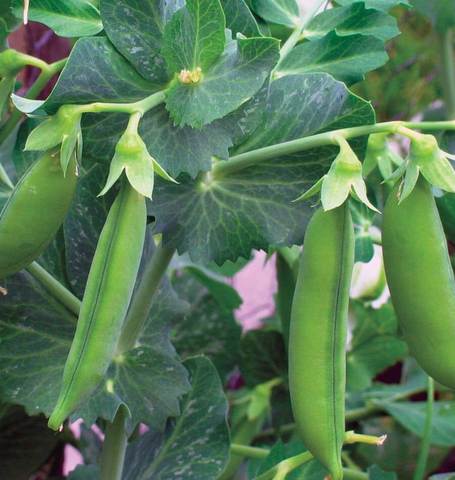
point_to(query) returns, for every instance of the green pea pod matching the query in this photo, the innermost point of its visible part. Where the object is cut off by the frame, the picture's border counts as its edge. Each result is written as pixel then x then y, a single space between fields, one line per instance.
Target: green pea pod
pixel 107 295
pixel 34 212
pixel 317 357
pixel 421 280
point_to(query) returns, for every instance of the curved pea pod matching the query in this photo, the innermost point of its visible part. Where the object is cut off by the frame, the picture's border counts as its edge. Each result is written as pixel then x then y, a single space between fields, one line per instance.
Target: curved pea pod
pixel 317 357
pixel 421 280
pixel 34 212
pixel 106 299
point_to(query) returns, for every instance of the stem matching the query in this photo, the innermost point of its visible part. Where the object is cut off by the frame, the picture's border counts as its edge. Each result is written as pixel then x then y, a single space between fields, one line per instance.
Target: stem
pixel 45 76
pixel 254 157
pixel 143 297
pixel 141 106
pixel 350 474
pixel 280 470
pixel 114 447
pixel 419 473
pixel 52 285
pixel 448 65
pixel 249 452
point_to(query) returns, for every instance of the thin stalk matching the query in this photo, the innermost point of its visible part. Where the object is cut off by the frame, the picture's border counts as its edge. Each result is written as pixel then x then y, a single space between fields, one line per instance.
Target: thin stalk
pixel 114 447
pixel 143 297
pixel 249 452
pixel 282 469
pixel 52 285
pixel 254 157
pixel 448 65
pixel 141 106
pixel 350 474
pixel 43 79
pixel 419 473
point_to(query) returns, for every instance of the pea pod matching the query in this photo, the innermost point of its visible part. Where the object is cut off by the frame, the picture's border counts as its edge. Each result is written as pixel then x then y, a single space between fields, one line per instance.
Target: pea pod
pixel 421 280
pixel 317 357
pixel 34 212
pixel 107 295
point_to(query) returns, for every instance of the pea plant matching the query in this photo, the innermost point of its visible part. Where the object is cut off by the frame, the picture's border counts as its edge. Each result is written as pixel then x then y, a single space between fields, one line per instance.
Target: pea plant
pixel 179 137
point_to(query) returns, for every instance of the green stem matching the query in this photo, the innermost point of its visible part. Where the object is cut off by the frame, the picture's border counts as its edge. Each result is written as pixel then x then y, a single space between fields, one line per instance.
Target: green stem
pixel 254 157
pixel 419 473
pixel 448 65
pixel 282 469
pixel 51 284
pixel 141 106
pixel 114 447
pixel 249 452
pixel 143 297
pixel 43 79
pixel 350 474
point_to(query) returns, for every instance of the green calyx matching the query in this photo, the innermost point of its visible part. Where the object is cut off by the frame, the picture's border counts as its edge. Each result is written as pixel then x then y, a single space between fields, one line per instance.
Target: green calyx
pixel 426 158
pixel 380 155
pixel 63 128
pixel 131 155
pixel 344 178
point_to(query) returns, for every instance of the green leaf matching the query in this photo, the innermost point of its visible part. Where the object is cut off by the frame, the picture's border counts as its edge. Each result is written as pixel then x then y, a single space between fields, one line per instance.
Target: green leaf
pixel 441 13
pixel 202 424
pixel 347 58
pixel 312 470
pixel 25 443
pixel 85 472
pixel 231 81
pixel 411 415
pixel 374 346
pixel 71 18
pixel 262 356
pixel 177 149
pixel 376 473
pixel 353 19
pixel 385 5
pixel 282 12
pixel 194 37
pixel 208 326
pixel 225 218
pixel 136 29
pixel 239 18
pixel 95 71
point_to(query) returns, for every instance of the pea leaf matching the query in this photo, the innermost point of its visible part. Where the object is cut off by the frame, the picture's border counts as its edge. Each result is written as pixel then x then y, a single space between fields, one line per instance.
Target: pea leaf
pixel 239 18
pixel 223 87
pixel 385 5
pixel 282 12
pixel 225 218
pixel 194 37
pixel 376 473
pixel 262 356
pixel 345 58
pixel 71 18
pixel 312 470
pixel 173 455
pixel 85 472
pixel 136 29
pixel 100 74
pixel 411 415
pixel 177 149
pixel 208 326
pixel 352 19
pixel 375 345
